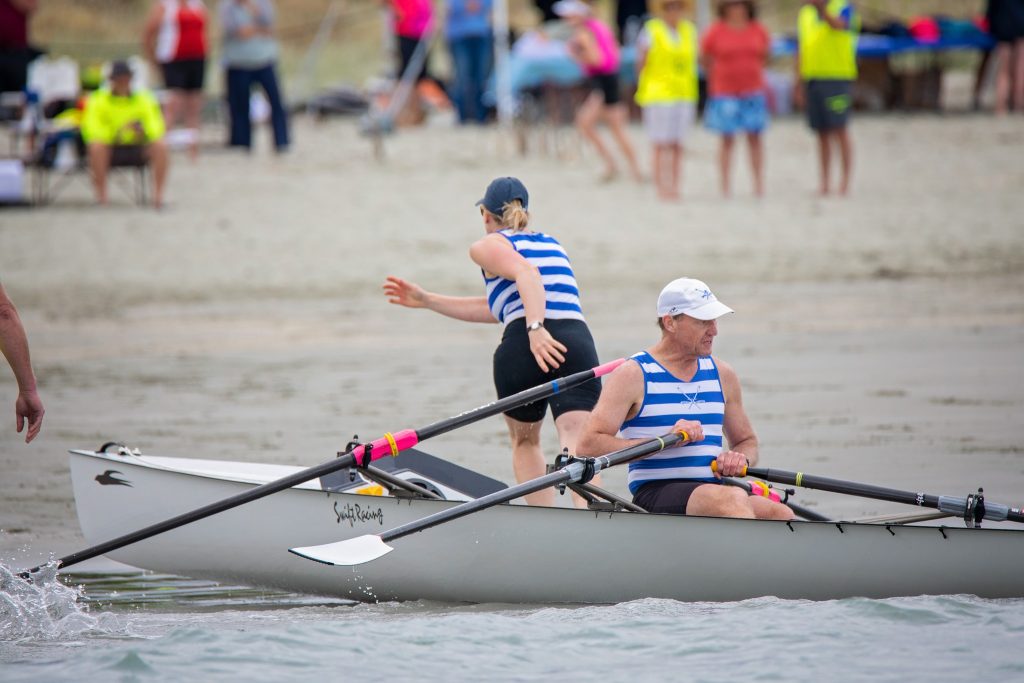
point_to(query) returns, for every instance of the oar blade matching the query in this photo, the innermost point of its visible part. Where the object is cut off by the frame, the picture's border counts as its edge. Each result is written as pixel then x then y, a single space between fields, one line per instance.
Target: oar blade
pixel 347 553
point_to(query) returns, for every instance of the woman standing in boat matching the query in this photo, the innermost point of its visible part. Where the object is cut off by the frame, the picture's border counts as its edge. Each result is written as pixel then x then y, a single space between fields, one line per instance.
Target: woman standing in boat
pixel 532 291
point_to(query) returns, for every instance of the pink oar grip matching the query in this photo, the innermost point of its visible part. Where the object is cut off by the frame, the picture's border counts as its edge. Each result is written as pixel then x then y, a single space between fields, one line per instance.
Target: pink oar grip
pixel 404 440
pixel 608 367
pixel 759 489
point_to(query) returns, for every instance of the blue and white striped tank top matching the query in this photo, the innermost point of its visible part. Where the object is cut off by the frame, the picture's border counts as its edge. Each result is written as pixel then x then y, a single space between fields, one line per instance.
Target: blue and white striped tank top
pixel 560 289
pixel 668 399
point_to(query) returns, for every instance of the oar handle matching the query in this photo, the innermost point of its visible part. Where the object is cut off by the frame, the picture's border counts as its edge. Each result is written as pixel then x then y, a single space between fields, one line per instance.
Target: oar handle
pixel 743 473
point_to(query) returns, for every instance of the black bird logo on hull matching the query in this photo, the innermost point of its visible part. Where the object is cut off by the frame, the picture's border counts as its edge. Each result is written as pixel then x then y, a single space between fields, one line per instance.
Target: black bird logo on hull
pixel 108 479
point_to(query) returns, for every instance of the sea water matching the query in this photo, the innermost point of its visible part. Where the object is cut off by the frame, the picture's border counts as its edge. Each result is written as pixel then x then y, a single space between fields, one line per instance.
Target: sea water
pixel 149 627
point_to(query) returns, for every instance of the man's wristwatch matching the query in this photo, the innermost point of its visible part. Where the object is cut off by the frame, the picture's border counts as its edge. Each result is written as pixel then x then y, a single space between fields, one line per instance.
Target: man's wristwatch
pixel 536 325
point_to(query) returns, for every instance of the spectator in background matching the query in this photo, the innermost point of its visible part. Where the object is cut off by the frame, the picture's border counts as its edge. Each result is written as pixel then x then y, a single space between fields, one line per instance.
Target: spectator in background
pixel 471 42
pixel 734 52
pixel 667 90
pixel 412 22
pixel 28 408
pixel 15 53
pixel 250 56
pixel 175 38
pixel 122 126
pixel 827 64
pixel 1006 24
pixel 593 46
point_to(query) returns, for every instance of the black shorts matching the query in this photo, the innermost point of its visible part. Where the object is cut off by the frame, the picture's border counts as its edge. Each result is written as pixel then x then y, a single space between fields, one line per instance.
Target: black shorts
pixel 667 497
pixel 515 369
pixel 186 74
pixel 128 155
pixel 829 103
pixel 608 84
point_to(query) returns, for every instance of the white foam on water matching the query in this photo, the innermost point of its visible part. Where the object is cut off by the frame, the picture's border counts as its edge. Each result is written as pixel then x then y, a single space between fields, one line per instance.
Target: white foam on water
pixel 45 609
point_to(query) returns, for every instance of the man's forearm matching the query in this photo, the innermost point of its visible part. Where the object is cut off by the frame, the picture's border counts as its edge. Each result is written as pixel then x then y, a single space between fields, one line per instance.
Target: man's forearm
pixel 748 447
pixel 14 345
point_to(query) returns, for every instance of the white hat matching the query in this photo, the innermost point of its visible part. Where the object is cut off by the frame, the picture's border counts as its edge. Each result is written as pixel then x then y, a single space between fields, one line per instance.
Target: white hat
pixel 691 297
pixel 571 8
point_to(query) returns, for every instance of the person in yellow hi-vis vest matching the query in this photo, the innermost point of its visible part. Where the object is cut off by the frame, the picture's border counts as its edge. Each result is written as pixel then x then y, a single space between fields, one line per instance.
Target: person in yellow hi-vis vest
pixel 124 126
pixel 827 63
pixel 667 90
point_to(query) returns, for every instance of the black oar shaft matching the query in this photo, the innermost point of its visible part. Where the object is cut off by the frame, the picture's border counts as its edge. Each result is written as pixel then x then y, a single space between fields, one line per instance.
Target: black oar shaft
pixel 367 452
pixel 993 511
pixel 570 472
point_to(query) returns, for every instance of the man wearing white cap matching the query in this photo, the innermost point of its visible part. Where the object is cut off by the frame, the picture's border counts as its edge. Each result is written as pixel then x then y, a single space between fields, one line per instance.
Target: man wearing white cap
pixel 678 385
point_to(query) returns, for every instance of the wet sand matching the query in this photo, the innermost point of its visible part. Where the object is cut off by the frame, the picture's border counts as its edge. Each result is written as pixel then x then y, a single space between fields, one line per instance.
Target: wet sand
pixel 879 338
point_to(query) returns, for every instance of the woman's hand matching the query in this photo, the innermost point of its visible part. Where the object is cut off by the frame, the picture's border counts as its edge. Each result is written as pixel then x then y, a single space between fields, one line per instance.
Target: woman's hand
pixel 547 351
pixel 404 293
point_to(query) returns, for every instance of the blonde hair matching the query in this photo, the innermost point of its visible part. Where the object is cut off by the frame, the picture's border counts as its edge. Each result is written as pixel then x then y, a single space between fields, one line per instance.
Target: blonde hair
pixel 514 216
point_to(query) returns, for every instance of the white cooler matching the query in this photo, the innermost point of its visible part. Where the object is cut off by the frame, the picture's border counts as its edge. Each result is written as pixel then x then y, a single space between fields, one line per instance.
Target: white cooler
pixel 12 181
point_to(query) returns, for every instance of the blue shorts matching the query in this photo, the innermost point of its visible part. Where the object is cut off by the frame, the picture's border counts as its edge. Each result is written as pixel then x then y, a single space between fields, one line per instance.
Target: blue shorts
pixel 730 115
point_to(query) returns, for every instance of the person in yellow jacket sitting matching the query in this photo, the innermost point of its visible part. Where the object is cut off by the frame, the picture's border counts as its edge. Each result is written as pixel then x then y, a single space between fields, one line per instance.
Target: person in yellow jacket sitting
pixel 123 126
pixel 827 63
pixel 667 90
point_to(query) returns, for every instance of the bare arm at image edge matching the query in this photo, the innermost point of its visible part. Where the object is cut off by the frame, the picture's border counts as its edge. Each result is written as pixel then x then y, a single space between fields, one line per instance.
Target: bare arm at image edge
pixel 28 408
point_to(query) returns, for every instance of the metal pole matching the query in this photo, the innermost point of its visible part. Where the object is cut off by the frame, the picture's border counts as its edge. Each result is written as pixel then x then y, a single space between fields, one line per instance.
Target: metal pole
pixel 503 78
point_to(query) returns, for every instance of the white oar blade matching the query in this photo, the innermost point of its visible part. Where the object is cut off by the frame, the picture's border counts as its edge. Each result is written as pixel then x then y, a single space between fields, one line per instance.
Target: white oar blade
pixel 346 553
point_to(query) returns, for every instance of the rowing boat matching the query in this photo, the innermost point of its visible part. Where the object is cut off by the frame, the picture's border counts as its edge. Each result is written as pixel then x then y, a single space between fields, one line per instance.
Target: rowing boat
pixel 512 553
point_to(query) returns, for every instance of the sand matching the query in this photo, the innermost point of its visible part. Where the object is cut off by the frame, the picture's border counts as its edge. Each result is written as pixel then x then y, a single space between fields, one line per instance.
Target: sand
pixel 879 338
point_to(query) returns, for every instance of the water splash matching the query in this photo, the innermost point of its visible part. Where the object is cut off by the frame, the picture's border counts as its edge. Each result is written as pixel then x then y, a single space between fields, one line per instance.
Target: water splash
pixel 47 609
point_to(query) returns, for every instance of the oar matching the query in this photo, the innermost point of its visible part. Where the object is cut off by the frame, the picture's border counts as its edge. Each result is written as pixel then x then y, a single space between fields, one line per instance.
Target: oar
pixel 973 508
pixel 389 444
pixel 756 488
pixel 364 549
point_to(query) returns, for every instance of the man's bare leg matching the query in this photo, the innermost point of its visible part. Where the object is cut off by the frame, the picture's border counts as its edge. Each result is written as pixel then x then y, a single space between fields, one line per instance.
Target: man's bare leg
pixel 99 164
pixel 824 160
pixel 156 154
pixel 842 135
pixel 716 500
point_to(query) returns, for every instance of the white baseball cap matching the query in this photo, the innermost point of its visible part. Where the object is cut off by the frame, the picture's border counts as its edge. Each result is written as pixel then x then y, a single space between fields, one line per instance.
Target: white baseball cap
pixel 571 8
pixel 692 297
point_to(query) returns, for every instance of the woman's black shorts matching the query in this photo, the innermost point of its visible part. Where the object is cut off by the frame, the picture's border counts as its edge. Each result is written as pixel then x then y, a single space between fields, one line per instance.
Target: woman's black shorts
pixel 515 369
pixel 186 74
pixel 667 497
pixel 608 84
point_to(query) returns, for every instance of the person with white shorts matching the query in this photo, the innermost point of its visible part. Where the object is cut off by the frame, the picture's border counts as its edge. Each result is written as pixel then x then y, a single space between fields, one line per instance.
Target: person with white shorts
pixel 667 90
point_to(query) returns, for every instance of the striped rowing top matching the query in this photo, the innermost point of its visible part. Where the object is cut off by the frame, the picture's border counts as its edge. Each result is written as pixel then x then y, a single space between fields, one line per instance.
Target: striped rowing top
pixel 560 289
pixel 668 399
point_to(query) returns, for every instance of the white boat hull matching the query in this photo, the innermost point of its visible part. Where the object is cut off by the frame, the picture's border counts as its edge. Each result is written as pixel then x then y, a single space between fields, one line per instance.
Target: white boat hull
pixel 519 554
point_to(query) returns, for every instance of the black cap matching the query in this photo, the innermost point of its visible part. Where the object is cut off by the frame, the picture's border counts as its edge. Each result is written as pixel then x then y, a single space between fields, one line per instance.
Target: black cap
pixel 502 191
pixel 120 68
